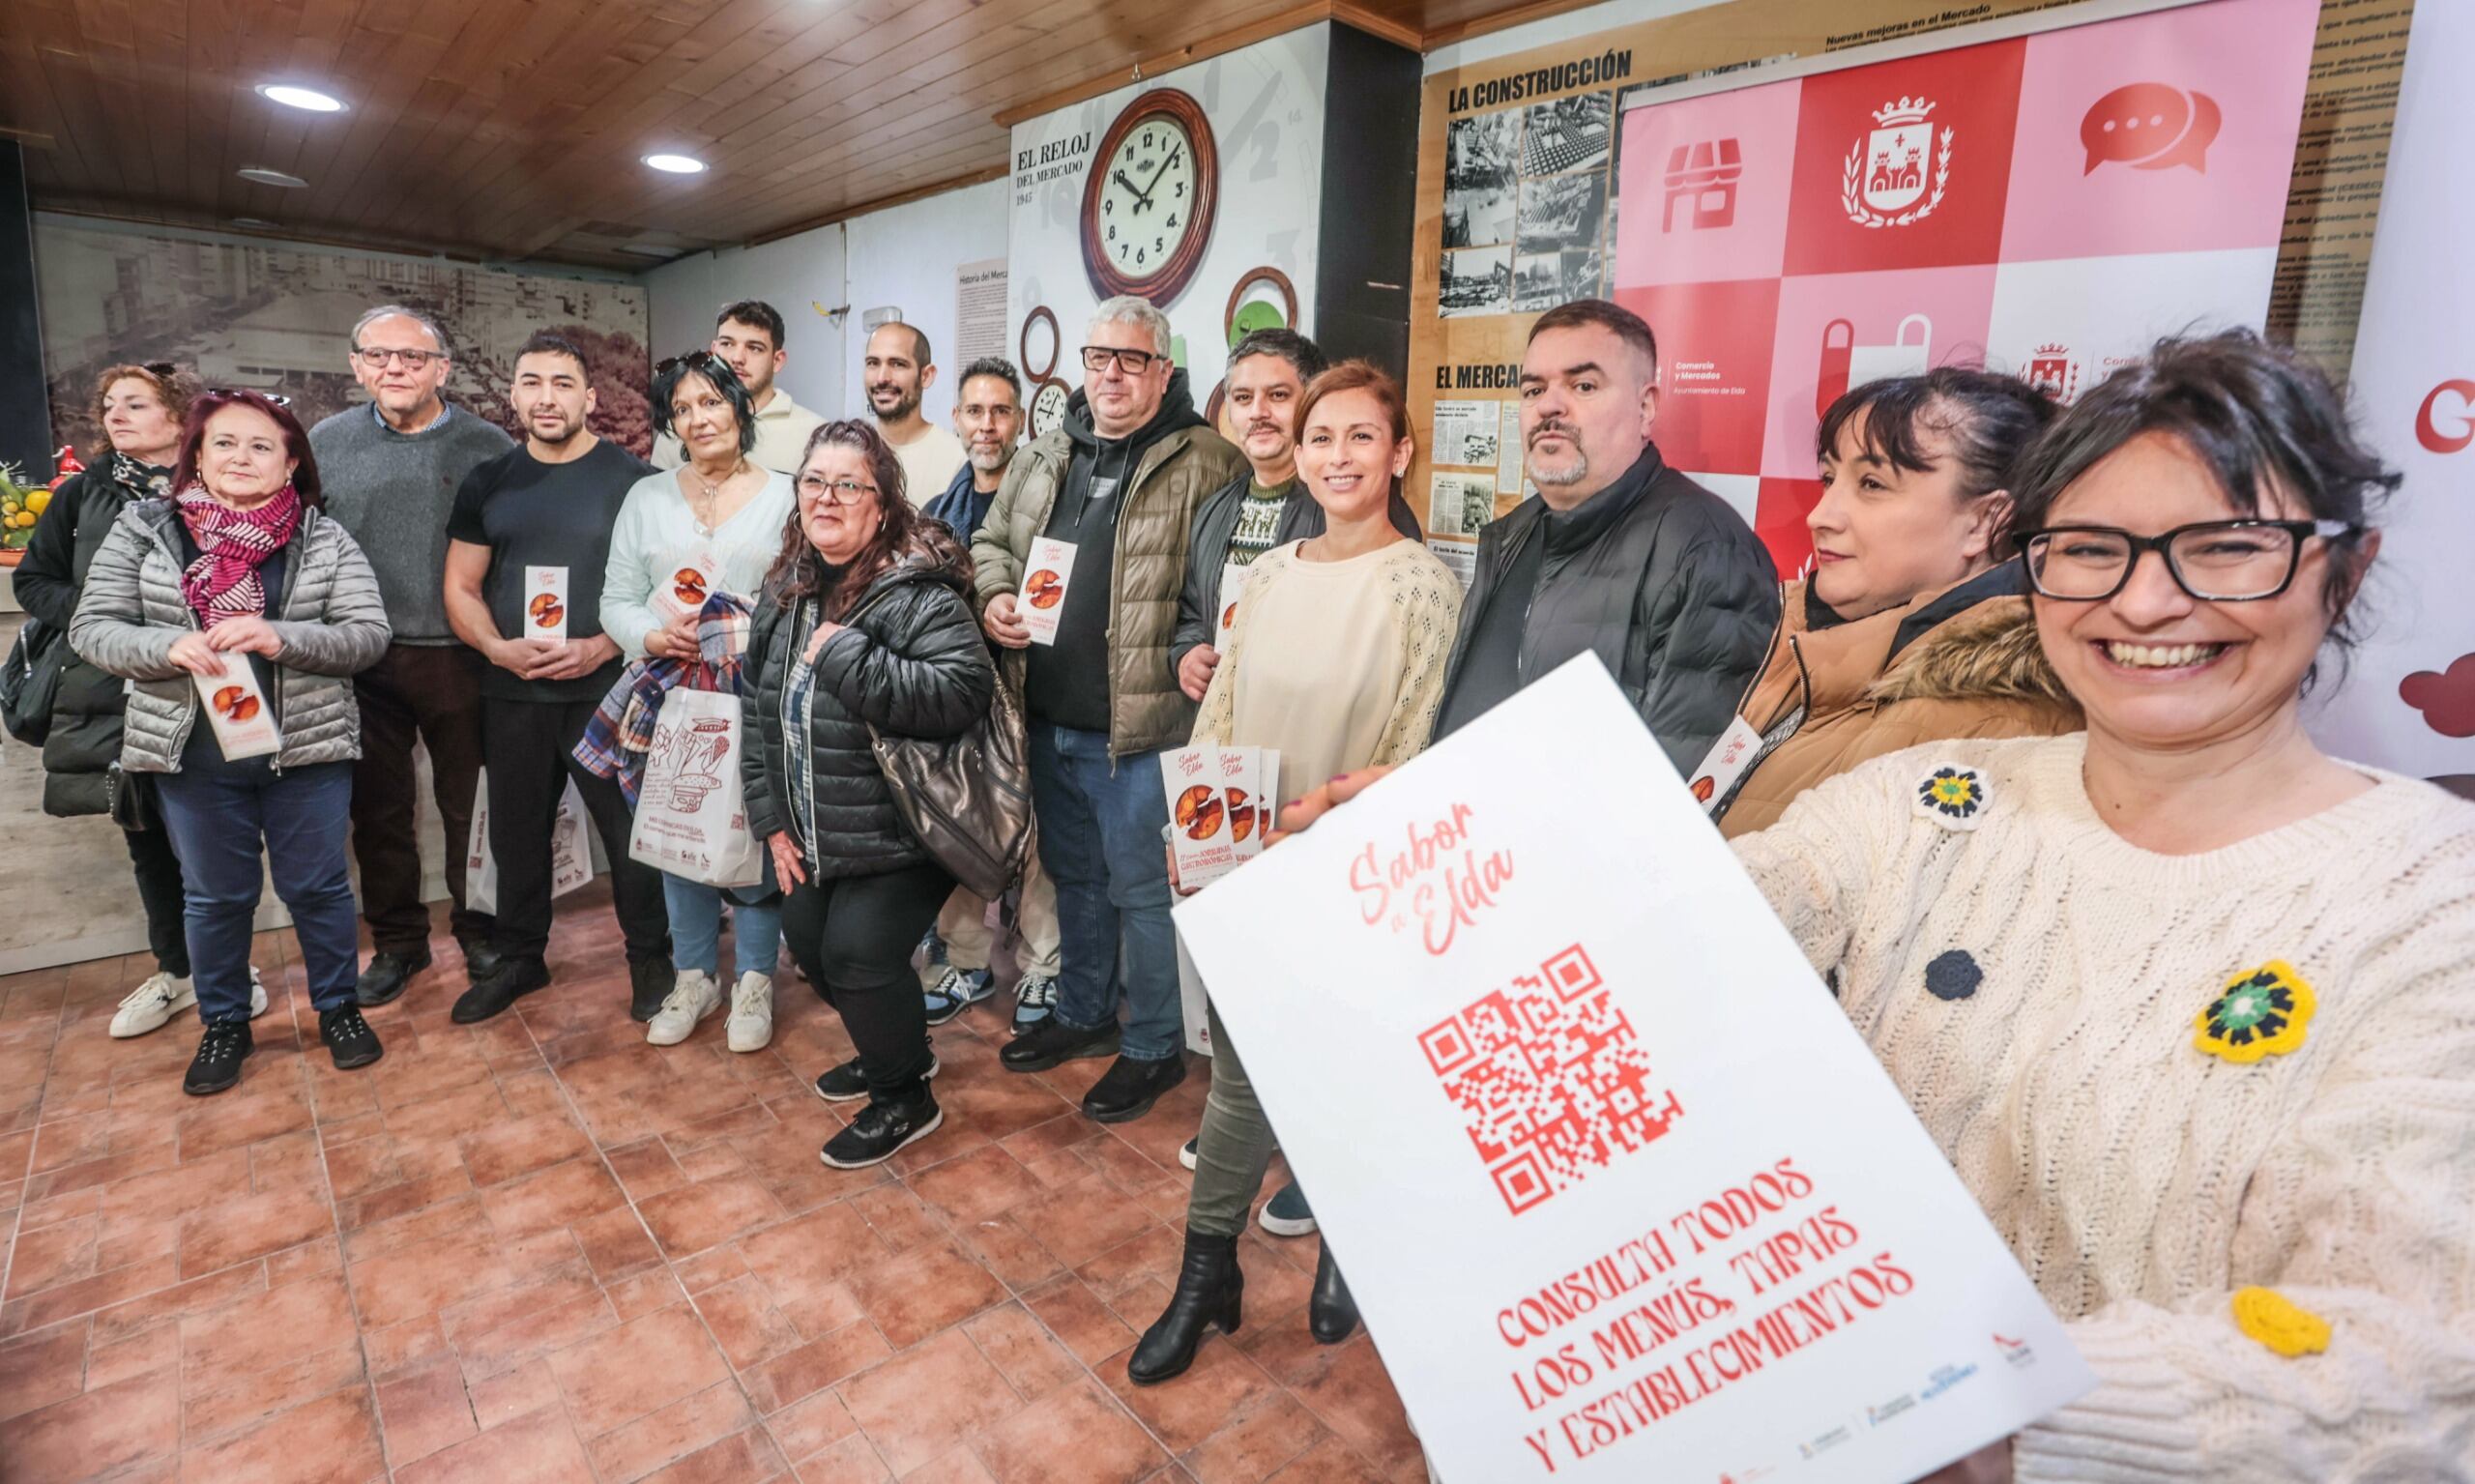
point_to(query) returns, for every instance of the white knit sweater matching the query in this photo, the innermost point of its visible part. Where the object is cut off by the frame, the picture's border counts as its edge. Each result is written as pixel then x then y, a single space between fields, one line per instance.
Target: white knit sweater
pixel 2050 1048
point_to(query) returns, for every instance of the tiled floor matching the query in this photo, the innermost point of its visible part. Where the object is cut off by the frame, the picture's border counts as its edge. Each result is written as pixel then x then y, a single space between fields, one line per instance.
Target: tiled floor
pixel 539 1250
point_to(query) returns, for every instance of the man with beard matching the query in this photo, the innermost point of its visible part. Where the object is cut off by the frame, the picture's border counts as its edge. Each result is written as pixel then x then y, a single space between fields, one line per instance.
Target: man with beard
pixel 748 337
pixel 898 371
pixel 1264 508
pixel 1617 554
pixel 1119 481
pixel 988 415
pixel 390 475
pixel 549 503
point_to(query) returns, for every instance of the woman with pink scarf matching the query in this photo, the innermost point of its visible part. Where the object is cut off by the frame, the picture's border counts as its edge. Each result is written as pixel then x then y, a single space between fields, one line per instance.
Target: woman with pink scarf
pixel 235 593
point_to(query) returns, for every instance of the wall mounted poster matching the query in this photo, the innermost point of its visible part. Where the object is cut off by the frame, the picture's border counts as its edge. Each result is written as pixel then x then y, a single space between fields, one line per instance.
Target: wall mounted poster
pixel 1620 1191
pixel 2047 204
pixel 1741 71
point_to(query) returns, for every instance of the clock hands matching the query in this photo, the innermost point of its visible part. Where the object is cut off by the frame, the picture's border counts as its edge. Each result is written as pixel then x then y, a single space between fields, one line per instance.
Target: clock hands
pixel 1143 193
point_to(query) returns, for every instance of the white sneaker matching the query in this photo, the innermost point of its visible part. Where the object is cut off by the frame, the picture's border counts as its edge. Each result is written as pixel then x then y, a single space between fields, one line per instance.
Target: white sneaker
pixel 752 1021
pixel 152 1003
pixel 691 999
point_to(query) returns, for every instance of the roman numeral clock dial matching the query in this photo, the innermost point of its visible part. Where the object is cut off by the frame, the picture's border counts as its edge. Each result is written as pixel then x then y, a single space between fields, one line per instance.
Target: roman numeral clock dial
pixel 1149 203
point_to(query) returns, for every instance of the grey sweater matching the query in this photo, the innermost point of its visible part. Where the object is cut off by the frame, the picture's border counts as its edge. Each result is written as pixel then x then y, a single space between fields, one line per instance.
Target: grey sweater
pixel 394 491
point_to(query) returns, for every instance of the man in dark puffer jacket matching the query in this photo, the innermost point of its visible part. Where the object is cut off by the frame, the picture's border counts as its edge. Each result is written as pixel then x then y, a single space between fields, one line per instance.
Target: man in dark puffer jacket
pixel 1617 554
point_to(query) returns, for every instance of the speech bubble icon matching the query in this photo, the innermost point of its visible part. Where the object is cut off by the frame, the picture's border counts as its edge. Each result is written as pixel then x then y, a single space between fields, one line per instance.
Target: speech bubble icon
pixel 2150 125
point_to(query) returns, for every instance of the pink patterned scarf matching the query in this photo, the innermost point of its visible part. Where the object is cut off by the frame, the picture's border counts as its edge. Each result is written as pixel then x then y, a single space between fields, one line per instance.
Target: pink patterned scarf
pixel 222 583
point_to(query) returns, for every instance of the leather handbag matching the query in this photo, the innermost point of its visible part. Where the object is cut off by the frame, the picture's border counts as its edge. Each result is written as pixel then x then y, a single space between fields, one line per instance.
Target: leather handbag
pixel 967 798
pixel 129 797
pixel 30 681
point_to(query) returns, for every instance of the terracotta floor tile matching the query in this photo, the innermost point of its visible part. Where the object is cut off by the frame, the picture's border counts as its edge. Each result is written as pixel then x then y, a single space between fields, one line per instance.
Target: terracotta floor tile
pixel 559 1196
pixel 647 1364
pixel 808 1253
pixel 423 1410
pixel 913 1296
pixel 810 1368
pixel 1354 1398
pixel 1257 1440
pixel 42 1369
pixel 742 1318
pixel 153 1348
pixel 928 1399
pixel 960 1467
pixel 645 1168
pixel 51 1305
pixel 1009 1252
pixel 56 1255
pixel 663 1437
pixel 259 1330
pixel 694 1217
pixel 804 1429
pixel 743 1458
pixel 977 1186
pixel 267 1103
pixel 1023 1351
pixel 503 1151
pixel 528 1389
pixel 1329 1462
pixel 1075 1315
pixel 1079 1435
pixel 1185 1411
pixel 214 1404
pixel 851 1461
pixel 494 1352
pixel 1083 1219
pixel 400 1347
pixel 900 1218
pixel 101 1430
pixel 645 1293
pixel 539 1445
pixel 253 1226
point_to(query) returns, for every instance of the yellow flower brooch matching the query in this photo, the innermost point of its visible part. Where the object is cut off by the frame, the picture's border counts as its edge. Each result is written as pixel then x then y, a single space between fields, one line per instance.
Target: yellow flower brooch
pixel 1952 797
pixel 2262 1012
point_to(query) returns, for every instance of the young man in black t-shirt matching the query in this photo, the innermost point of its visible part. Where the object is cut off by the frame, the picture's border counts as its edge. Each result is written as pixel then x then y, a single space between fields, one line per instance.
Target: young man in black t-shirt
pixel 527 542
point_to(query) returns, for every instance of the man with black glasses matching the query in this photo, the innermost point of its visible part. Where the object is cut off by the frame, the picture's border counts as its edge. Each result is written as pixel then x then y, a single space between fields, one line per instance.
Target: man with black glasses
pixel 391 471
pixel 1119 483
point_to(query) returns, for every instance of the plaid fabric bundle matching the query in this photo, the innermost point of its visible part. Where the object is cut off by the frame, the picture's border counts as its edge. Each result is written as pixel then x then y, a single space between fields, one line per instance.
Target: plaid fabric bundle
pixel 622 729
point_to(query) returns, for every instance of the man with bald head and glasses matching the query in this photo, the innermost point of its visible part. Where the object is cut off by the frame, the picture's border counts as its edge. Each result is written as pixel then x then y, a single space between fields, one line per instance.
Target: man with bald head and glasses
pixel 1119 481
pixel 391 470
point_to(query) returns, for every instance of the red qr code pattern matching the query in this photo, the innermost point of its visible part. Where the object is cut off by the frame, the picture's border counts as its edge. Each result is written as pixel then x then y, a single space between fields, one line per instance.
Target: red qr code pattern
pixel 1550 1079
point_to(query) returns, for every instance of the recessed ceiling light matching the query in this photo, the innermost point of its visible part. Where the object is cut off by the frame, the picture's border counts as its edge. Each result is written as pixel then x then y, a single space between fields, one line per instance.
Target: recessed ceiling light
pixel 266 177
pixel 309 100
pixel 676 165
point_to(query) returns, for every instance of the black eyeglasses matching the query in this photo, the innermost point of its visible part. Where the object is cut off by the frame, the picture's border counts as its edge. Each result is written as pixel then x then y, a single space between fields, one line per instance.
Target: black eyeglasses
pixel 2215 560
pixel 1134 363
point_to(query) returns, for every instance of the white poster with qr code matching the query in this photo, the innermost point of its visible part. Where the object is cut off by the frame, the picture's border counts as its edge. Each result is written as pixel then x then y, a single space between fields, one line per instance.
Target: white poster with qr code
pixel 1621 1193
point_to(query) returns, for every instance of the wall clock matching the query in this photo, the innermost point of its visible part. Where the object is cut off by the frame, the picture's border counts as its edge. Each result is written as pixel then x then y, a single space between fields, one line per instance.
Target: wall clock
pixel 1048 395
pixel 1263 299
pixel 1149 204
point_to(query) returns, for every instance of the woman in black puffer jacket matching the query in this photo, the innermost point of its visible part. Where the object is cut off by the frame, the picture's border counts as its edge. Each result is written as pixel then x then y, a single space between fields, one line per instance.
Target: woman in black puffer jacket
pixel 863 623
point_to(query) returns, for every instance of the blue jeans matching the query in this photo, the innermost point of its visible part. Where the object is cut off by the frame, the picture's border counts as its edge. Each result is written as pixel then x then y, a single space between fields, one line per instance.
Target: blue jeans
pixel 696 927
pixel 217 813
pixel 1101 822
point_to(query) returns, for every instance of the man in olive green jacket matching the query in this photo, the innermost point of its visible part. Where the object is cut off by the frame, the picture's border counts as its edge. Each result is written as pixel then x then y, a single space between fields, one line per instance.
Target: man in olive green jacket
pixel 1120 481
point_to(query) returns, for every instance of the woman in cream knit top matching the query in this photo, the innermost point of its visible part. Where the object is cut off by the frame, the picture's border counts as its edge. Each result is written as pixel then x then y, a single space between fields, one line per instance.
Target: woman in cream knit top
pixel 2189 1006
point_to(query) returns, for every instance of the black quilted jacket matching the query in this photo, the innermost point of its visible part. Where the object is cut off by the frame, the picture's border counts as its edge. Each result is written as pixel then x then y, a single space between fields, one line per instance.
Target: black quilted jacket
pixel 912 663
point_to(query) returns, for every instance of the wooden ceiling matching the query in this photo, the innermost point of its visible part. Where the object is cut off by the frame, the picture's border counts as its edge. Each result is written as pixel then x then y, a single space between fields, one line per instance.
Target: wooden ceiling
pixel 513 129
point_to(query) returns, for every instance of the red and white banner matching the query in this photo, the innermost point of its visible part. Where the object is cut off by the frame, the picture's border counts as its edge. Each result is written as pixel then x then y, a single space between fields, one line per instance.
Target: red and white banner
pixel 2046 204
pixel 2409 703
pixel 1621 1192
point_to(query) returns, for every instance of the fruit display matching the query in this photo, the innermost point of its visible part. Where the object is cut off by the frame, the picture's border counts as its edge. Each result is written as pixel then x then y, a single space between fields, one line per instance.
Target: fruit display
pixel 21 503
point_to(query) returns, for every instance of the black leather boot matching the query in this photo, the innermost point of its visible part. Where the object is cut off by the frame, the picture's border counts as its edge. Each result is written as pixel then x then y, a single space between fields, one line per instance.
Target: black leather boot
pixel 1209 1286
pixel 1330 1312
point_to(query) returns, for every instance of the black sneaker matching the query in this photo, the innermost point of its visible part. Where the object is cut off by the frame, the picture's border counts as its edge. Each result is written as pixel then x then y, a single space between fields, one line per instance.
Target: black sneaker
pixel 881 1130
pixel 481 959
pixel 649 982
pixel 846 1084
pixel 348 1038
pixel 388 974
pixel 217 1067
pixel 1126 1091
pixel 515 978
pixel 1051 1042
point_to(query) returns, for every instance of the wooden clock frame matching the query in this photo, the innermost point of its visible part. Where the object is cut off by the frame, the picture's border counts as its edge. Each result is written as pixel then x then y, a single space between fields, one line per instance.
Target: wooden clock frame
pixel 1171 279
pixel 1034 381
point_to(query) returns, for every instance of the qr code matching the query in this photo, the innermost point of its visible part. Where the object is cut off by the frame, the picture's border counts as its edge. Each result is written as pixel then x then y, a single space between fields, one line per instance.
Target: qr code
pixel 1549 1078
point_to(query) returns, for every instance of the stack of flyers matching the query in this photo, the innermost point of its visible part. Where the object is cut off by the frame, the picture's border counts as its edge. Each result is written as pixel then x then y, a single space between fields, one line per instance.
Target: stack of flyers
pixel 1233 585
pixel 683 590
pixel 237 709
pixel 1043 597
pixel 1250 783
pixel 545 602
pixel 1199 837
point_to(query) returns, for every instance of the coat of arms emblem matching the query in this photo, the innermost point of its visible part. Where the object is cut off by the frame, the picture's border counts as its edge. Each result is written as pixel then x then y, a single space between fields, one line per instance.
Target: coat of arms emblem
pixel 1898 172
pixel 2053 371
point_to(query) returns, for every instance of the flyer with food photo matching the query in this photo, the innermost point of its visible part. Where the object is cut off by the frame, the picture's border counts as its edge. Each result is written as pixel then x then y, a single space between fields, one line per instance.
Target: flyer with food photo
pixel 1620 1191
pixel 237 709
pixel 1042 601
pixel 545 602
pixel 1199 834
pixel 683 589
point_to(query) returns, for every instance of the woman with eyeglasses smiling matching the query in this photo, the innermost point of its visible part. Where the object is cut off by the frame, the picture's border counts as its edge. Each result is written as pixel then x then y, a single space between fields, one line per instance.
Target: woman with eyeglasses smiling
pixel 864 629
pixel 718 517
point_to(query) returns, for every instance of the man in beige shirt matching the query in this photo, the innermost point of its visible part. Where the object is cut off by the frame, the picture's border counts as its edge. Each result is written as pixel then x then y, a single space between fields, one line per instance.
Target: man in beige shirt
pixel 748 337
pixel 897 371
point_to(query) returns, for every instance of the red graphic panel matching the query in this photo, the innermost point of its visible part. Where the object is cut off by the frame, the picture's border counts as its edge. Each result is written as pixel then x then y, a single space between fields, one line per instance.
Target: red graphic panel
pixel 1779 519
pixel 1549 1080
pixel 1907 164
pixel 1714 369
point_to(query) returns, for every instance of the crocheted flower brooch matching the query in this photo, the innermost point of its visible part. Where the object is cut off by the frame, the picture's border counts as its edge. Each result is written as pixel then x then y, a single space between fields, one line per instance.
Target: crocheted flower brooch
pixel 2279 1322
pixel 2262 1012
pixel 1953 796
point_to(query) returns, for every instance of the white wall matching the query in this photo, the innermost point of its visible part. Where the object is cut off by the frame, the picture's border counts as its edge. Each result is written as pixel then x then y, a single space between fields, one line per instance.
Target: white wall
pixel 906 256
pixel 794 275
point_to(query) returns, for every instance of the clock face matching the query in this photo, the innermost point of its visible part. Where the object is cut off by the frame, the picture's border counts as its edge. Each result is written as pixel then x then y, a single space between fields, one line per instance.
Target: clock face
pixel 1147 197
pixel 1048 407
